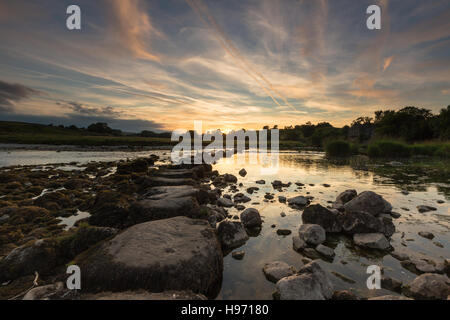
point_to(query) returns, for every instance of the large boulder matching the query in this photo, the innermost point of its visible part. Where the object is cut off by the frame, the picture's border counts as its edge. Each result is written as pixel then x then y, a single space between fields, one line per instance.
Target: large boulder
pixel 346 196
pixel 371 241
pixel 312 234
pixel 275 271
pixel 311 283
pixel 40 255
pixel 369 202
pixel 428 286
pixel 327 219
pixel 250 218
pixel 231 234
pixel 172 254
pixel 363 222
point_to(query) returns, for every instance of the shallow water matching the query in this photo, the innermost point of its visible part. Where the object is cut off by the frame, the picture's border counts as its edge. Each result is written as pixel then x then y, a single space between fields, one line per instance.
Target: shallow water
pixel 244 279
pixel 45 157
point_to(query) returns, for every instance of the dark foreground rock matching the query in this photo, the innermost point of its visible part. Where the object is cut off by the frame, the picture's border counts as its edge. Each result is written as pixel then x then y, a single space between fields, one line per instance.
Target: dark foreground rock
pixel 172 254
pixel 369 202
pixel 40 256
pixel 327 219
pixel 311 283
pixel 428 286
pixel 371 241
pixel 250 218
pixel 231 234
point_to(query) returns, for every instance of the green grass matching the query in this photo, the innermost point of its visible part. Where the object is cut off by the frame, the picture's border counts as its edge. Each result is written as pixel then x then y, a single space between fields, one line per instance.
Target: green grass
pixel 399 149
pixel 341 148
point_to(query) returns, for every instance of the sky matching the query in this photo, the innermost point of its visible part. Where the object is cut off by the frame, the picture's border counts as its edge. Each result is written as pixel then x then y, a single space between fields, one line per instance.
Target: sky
pixel 160 65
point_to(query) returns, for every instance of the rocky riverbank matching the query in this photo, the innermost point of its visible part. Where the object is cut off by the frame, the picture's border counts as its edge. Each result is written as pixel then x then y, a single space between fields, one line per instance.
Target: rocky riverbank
pixel 143 231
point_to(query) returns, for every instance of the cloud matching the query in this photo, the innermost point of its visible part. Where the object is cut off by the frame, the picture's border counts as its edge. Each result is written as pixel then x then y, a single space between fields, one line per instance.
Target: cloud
pixel 387 62
pixel 132 25
pixel 11 93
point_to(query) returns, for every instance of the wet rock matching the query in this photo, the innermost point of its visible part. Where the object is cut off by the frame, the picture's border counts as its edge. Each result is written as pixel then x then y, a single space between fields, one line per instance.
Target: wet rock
pixel 363 222
pixel 48 292
pixel 275 271
pixel 229 178
pixel 369 202
pixel 400 256
pixel 242 172
pixel 139 165
pixel 231 234
pixel 298 243
pixel 423 209
pixel 389 297
pixel 327 219
pixel 391 284
pixel 110 209
pixel 252 189
pixel 283 232
pixel 312 234
pixel 268 196
pixel 250 218
pixel 428 286
pixel 311 283
pixel 241 198
pixel 162 181
pixel 440 201
pixel 419 265
pixel 344 295
pixel 260 182
pixel 215 214
pixel 426 234
pixel 282 199
pixel 300 201
pixel 325 251
pixel 346 196
pixel 171 254
pixel 395 215
pixel 145 295
pixel 238 255
pixel 371 241
pixel 163 207
pixel 225 202
pixel 326 185
pixel 40 255
pixel 283 214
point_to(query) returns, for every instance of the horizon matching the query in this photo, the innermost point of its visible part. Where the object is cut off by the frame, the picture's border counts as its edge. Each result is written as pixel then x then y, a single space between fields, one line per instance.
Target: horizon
pixel 160 65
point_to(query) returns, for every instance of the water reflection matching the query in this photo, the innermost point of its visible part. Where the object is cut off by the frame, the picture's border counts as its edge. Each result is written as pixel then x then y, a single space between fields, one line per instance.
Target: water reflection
pixel 244 279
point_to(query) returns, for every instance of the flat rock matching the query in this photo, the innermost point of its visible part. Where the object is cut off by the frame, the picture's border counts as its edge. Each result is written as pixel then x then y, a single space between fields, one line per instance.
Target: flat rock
pixel 327 252
pixel 171 254
pixel 284 232
pixel 428 286
pixel 274 271
pixel 162 208
pixel 312 234
pixel 371 241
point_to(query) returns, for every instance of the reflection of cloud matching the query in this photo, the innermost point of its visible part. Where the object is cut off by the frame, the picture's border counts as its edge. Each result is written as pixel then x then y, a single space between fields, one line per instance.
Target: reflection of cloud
pixel 12 93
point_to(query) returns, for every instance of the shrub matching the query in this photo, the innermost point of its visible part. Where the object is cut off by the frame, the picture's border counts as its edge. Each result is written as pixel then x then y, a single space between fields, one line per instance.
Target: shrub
pixel 338 149
pixel 388 149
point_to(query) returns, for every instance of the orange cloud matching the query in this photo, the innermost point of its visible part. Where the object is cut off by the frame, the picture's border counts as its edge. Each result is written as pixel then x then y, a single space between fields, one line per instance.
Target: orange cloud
pixel 133 26
pixel 387 62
